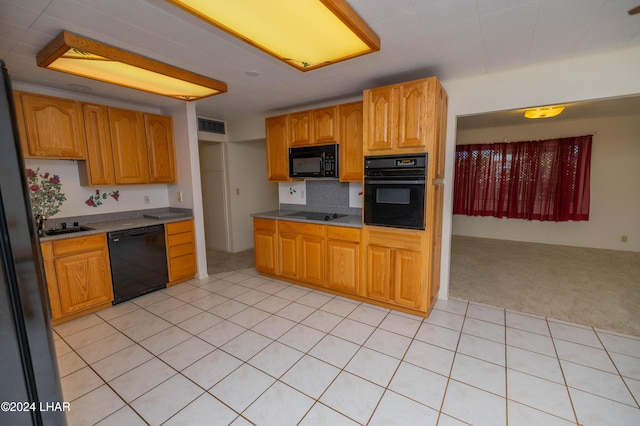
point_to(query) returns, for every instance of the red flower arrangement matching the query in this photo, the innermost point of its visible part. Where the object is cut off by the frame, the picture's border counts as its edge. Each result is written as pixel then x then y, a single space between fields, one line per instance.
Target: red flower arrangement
pixel 95 200
pixel 45 193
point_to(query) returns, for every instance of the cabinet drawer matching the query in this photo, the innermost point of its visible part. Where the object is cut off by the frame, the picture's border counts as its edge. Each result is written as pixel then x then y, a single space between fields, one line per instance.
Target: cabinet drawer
pixel 177 239
pixel 343 233
pixel 79 244
pixel 267 224
pixel 178 227
pixel 301 228
pixel 183 266
pixel 180 250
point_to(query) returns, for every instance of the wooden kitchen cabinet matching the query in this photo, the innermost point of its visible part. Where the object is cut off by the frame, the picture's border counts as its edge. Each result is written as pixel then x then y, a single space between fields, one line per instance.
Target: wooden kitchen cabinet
pixel 351 157
pixel 265 245
pixel 78 276
pixel 98 169
pixel 160 148
pixel 343 259
pixel 53 127
pixel 325 125
pixel 301 251
pixel 395 267
pixel 181 251
pixel 128 146
pixel 277 134
pixel 300 128
pixel 403 117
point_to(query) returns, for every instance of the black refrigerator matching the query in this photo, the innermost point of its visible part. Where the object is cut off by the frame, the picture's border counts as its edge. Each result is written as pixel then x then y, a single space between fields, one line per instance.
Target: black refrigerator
pixel 29 381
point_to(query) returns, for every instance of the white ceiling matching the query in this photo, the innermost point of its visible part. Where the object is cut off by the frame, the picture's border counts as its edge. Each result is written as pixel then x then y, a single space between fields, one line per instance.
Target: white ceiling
pixel 420 38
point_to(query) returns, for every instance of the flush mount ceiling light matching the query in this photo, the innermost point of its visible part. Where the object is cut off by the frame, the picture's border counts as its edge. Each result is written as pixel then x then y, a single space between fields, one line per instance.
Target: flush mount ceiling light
pixel 81 56
pixel 543 112
pixel 306 34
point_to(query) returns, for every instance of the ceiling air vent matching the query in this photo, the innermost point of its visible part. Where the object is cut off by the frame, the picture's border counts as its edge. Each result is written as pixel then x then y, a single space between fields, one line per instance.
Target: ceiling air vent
pixel 211 126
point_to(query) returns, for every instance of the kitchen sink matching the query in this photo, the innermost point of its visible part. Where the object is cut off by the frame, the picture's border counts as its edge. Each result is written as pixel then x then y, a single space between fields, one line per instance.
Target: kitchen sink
pixel 69 230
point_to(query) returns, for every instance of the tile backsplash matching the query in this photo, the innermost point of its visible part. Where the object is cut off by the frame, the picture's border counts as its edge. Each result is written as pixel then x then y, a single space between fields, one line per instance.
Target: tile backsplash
pixel 327 196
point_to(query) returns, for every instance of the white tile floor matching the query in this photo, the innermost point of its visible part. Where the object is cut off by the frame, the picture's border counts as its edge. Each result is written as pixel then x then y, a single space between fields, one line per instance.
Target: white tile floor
pixel 241 349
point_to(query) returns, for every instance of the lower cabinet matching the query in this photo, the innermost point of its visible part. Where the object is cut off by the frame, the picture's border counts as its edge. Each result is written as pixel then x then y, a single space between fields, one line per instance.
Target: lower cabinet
pixel 394 267
pixel 181 251
pixel 378 265
pixel 78 276
pixel 265 245
pixel 343 259
pixel 301 251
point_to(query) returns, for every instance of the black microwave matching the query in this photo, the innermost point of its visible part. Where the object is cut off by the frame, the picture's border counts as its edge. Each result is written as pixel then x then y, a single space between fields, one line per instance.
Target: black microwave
pixel 314 161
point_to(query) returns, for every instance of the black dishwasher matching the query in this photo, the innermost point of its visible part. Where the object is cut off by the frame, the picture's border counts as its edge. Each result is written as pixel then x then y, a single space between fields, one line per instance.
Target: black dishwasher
pixel 138 261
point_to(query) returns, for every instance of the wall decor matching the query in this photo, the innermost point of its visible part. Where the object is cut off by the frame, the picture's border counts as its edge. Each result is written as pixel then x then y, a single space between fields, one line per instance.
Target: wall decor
pixel 45 193
pixel 95 200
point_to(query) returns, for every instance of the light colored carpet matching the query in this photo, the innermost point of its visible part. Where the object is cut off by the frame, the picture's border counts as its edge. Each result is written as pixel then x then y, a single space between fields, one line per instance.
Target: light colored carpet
pixel 593 287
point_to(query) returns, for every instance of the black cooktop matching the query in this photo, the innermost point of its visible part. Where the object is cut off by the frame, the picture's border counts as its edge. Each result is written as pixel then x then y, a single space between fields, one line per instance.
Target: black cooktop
pixel 317 215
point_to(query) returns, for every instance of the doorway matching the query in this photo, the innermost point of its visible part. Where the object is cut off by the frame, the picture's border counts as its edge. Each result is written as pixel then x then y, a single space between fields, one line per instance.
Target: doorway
pixel 214 195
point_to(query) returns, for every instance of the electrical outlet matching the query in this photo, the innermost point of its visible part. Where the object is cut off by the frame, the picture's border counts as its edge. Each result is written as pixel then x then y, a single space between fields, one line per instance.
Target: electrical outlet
pixel 179 196
pixel 624 238
pixel 147 199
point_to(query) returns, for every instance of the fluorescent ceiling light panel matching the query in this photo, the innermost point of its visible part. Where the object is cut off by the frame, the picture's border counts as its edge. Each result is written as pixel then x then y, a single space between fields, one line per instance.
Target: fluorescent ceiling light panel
pixel 306 34
pixel 543 112
pixel 81 56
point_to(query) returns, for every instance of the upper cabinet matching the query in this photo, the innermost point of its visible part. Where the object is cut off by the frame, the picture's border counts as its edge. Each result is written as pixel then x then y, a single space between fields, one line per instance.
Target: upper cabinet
pixel 129 146
pixel 403 117
pixel 99 164
pixel 351 159
pixel 325 125
pixel 277 130
pixel 160 148
pixel 300 128
pixel 51 127
pixel 120 146
pixel 336 124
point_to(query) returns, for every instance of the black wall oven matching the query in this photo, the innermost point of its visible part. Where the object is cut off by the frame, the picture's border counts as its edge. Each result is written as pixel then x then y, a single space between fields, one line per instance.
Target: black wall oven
pixel 395 190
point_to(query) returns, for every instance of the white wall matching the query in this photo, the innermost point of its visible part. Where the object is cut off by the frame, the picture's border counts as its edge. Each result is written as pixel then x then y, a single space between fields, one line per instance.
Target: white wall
pixel 615 201
pixel 248 189
pixel 588 77
pixel 214 196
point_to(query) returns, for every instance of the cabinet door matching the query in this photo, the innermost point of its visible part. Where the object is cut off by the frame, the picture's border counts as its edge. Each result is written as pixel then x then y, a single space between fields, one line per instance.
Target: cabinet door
pixel 288 254
pixel 277 148
pixel 300 129
pixel 379 272
pixel 312 259
pixel 381 121
pixel 160 147
pixel 412 121
pixel 53 127
pixel 22 130
pixel 351 157
pixel 407 278
pixel 325 125
pixel 343 266
pixel 264 241
pixel 84 281
pixel 99 164
pixel 129 146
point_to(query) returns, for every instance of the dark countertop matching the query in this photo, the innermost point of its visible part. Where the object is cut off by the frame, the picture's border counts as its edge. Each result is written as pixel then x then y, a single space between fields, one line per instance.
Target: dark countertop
pixel 351 221
pixel 113 225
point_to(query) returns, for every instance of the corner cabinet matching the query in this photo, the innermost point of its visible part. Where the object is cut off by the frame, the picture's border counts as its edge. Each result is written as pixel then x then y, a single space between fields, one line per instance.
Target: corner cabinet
pixel 181 251
pixel 277 129
pixel 78 276
pixel 98 169
pixel 51 127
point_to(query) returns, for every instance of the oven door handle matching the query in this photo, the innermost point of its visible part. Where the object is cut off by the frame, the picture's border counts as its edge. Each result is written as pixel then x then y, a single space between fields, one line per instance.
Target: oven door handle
pixel 394 182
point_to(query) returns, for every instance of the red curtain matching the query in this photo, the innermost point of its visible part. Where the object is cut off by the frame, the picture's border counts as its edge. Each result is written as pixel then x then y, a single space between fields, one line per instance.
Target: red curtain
pixel 535 180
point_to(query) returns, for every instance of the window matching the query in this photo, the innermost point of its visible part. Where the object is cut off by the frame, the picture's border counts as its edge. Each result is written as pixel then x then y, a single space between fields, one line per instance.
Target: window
pixel 535 180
